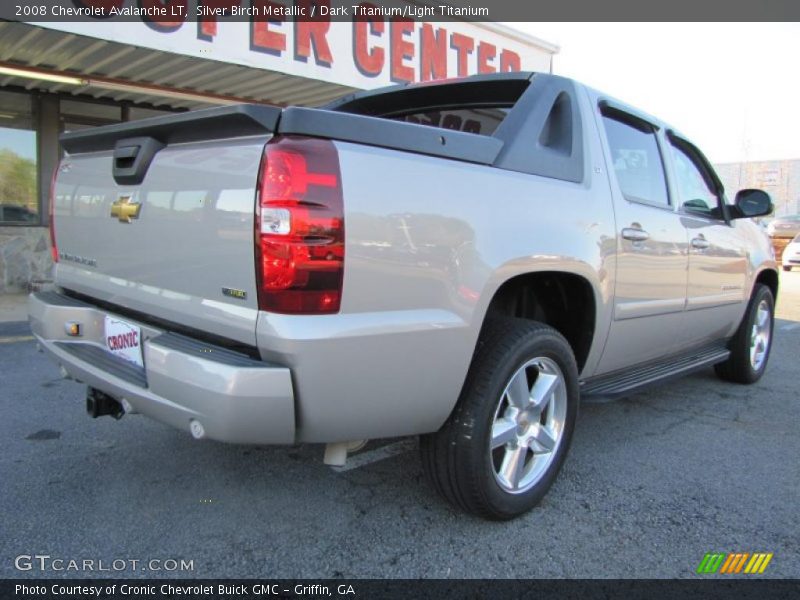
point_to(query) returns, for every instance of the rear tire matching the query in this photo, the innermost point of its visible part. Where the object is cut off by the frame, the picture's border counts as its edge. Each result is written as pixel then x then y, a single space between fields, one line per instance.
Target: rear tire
pixel 505 441
pixel 787 268
pixel 751 345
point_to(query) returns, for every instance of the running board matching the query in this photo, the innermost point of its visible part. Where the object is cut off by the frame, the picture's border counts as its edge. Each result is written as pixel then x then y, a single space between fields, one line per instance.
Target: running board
pixel 626 381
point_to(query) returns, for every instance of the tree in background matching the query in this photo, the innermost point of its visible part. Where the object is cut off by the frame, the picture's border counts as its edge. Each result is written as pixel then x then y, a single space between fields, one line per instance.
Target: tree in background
pixel 17 180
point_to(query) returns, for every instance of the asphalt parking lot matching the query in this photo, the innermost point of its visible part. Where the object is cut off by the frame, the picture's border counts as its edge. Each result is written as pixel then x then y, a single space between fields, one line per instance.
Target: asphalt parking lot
pixel 652 483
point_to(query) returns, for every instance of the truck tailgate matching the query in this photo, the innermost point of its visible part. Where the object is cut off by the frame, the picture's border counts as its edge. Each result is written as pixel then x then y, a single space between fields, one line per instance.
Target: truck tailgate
pixel 179 245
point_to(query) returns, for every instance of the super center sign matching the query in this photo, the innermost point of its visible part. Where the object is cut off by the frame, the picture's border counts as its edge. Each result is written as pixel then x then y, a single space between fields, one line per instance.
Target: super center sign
pixel 369 52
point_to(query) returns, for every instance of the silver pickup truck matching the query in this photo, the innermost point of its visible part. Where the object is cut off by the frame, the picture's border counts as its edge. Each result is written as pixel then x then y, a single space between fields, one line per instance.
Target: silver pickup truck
pixel 462 260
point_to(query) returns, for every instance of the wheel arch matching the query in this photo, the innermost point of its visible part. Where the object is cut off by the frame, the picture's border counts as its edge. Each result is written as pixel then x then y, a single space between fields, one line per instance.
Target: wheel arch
pixel 564 300
pixel 768 277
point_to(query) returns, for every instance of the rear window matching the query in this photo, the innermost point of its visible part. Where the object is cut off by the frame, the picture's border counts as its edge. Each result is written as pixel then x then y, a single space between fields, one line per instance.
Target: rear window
pixel 482 120
pixel 472 106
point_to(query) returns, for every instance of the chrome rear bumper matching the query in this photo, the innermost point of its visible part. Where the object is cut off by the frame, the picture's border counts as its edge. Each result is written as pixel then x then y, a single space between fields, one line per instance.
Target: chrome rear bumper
pixel 235 398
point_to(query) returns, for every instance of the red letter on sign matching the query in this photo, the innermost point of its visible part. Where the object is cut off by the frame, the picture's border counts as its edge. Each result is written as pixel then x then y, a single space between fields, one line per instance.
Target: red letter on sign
pixel 463 45
pixel 261 38
pixel 368 62
pixel 509 61
pixel 401 49
pixel 486 52
pixel 177 11
pixel 207 25
pixel 433 53
pixel 316 32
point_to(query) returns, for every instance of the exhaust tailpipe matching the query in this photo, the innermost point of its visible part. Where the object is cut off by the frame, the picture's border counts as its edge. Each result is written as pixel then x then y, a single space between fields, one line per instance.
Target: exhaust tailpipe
pixel 99 404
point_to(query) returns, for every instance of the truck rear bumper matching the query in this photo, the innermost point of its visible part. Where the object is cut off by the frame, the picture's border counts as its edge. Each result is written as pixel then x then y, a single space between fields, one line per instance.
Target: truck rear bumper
pixel 235 398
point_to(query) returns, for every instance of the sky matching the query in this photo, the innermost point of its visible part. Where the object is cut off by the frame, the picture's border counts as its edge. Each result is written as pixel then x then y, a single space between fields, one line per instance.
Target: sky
pixel 732 88
pixel 18 140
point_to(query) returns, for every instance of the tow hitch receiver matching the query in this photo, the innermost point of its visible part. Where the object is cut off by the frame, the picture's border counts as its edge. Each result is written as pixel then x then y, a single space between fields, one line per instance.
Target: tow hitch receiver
pixel 99 404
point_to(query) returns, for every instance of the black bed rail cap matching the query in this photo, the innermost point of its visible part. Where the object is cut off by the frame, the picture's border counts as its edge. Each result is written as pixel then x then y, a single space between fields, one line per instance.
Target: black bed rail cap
pixel 205 124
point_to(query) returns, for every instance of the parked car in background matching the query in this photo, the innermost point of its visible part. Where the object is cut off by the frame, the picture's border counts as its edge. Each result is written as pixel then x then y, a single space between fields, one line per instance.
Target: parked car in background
pixel 784 227
pixel 791 254
pixel 763 222
pixel 14 213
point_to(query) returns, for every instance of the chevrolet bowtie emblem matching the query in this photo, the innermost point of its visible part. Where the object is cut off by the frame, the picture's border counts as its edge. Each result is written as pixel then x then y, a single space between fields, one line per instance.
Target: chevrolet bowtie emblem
pixel 125 210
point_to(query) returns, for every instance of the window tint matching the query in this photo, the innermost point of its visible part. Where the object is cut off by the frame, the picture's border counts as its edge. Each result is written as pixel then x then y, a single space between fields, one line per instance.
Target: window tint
pixel 695 192
pixel 637 162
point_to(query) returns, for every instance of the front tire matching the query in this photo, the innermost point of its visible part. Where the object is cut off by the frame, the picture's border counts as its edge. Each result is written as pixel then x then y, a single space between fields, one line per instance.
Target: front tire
pixel 504 444
pixel 751 345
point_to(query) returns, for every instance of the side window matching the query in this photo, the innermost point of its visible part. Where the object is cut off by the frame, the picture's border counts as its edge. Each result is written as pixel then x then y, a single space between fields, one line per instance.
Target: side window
pixel 637 160
pixel 697 193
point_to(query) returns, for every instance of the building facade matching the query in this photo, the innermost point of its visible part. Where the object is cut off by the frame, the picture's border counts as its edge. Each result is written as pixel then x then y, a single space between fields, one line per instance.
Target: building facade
pixel 779 178
pixel 64 76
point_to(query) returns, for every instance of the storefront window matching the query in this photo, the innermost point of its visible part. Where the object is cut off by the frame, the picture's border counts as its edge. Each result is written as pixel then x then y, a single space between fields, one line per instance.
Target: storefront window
pixel 137 113
pixel 19 197
pixel 90 110
pixel 76 115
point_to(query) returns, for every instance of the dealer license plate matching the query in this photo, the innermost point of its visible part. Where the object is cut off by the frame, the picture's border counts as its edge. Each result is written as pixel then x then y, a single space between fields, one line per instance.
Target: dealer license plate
pixel 124 340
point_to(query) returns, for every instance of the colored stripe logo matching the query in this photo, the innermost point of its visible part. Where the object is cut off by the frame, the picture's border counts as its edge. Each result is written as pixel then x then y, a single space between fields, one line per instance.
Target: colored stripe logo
pixel 735 562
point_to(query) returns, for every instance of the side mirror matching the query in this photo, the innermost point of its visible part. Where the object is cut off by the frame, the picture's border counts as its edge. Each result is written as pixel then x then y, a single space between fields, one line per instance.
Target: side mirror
pixel 752 203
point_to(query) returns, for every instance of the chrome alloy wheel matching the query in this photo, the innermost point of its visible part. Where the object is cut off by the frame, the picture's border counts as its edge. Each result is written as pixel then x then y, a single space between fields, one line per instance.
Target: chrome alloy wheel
pixel 760 336
pixel 528 425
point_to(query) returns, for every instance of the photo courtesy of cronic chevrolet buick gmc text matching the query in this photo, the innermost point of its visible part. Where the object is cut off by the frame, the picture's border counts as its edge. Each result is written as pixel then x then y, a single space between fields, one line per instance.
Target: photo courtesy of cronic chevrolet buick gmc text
pixel 462 260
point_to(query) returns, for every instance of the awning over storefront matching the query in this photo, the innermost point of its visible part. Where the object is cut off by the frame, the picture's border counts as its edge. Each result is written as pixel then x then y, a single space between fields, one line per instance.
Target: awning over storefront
pixel 56 61
pixel 194 66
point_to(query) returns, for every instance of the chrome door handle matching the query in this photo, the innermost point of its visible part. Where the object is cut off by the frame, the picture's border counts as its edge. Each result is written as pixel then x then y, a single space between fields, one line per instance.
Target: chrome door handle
pixel 635 235
pixel 700 243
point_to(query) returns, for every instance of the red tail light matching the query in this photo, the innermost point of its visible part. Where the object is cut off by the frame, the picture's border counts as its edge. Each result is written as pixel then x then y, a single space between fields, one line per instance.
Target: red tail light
pixel 50 212
pixel 300 227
